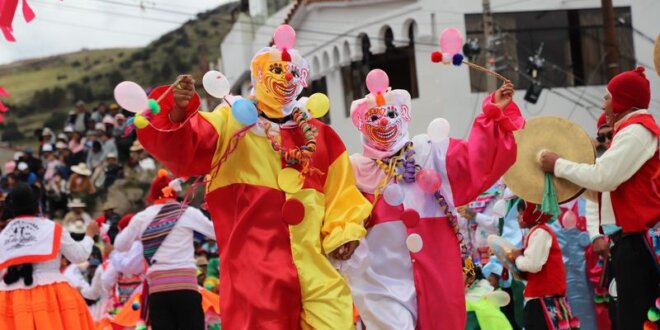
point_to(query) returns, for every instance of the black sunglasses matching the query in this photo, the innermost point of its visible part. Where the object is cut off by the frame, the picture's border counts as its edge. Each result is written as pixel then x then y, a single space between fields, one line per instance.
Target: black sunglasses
pixel 603 137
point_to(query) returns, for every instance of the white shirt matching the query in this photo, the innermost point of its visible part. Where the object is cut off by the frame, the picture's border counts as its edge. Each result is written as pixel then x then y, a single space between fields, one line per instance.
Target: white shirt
pixel 631 148
pixel 177 249
pixel 129 262
pixel 536 253
pixel 49 272
pixel 95 289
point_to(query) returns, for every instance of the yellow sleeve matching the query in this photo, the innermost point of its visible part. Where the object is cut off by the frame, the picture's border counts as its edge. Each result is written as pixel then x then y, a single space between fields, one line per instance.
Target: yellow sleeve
pixel 345 206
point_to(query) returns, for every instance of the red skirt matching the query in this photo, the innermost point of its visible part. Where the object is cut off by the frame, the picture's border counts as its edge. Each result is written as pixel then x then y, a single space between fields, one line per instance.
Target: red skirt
pixel 55 306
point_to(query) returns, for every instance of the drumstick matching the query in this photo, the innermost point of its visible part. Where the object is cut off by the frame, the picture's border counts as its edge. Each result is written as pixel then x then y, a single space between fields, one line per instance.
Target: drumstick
pixel 484 70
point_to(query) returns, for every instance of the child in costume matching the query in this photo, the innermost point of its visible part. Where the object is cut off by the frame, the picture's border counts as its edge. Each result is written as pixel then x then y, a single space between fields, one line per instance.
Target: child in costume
pixel 541 259
pixel 281 194
pixel 34 294
pixel 410 276
pixel 477 221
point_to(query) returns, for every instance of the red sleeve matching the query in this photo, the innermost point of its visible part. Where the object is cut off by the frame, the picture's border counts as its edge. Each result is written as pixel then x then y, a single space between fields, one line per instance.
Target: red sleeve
pixel 475 164
pixel 187 148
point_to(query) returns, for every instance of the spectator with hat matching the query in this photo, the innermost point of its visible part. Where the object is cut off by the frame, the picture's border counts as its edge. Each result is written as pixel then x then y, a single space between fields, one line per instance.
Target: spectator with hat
pixel 76 213
pixel 79 181
pixel 47 136
pixel 25 174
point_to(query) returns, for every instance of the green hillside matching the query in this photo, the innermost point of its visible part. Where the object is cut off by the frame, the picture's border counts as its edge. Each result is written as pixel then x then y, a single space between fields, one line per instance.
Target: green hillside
pixel 43 90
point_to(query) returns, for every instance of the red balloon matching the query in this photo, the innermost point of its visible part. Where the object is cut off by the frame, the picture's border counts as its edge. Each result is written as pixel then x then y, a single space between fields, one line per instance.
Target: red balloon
pixel 293 211
pixel 410 218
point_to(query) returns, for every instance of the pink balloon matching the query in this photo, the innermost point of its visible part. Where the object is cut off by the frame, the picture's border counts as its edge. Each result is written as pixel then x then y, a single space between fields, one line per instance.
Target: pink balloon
pixel 131 96
pixel 428 180
pixel 451 41
pixel 284 37
pixel 377 81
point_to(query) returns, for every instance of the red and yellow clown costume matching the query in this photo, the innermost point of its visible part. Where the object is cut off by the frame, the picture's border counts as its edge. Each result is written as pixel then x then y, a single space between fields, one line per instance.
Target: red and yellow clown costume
pixel 274 234
pixel 407 273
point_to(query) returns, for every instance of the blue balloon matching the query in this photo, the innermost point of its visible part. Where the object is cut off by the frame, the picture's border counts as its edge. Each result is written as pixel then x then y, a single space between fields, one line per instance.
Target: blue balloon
pixel 245 112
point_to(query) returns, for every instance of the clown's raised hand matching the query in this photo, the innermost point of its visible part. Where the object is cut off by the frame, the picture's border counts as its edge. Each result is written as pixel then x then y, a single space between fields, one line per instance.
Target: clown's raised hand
pixel 504 95
pixel 183 92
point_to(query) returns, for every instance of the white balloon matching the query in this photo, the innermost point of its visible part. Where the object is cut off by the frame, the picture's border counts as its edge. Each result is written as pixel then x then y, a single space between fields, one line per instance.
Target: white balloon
pixel 131 96
pixel 393 194
pixel 216 84
pixel 414 243
pixel 499 209
pixel 438 130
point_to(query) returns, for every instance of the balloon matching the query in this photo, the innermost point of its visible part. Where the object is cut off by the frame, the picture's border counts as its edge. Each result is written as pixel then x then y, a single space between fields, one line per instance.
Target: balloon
pixel 499 298
pixel 216 84
pixel 499 209
pixel 131 96
pixel 245 112
pixel 414 243
pixel 569 219
pixel 451 41
pixel 438 130
pixel 290 180
pixel 446 58
pixel 318 105
pixel 284 37
pixel 393 195
pixel 410 218
pixel 377 81
pixel 140 121
pixel 428 180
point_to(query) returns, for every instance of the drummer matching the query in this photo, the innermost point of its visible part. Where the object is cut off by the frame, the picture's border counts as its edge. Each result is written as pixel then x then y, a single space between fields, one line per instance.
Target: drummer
pixel 627 176
pixel 541 260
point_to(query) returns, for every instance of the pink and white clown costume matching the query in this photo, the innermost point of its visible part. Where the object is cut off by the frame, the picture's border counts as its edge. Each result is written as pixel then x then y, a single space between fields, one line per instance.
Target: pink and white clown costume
pixel 393 287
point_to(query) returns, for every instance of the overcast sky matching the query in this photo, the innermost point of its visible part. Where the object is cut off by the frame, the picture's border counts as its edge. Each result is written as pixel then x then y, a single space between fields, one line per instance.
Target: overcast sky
pixel 70 25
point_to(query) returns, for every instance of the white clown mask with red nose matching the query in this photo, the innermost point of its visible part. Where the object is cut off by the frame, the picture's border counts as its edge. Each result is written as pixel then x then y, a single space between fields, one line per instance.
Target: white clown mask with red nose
pixel 382 117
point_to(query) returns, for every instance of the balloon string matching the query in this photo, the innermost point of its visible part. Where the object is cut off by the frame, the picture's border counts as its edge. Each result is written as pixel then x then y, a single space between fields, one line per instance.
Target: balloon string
pixel 484 70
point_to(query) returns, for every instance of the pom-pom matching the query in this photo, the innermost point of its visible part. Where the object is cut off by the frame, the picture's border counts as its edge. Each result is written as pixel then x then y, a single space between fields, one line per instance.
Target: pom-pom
pixel 436 57
pixel 657 303
pixel 154 106
pixel 575 323
pixel 457 59
pixel 135 305
pixel 648 325
pixel 162 173
pixel 129 121
pixel 564 325
pixel 653 314
pixel 380 99
pixel 640 69
pixel 140 325
pixel 140 121
pixel 286 56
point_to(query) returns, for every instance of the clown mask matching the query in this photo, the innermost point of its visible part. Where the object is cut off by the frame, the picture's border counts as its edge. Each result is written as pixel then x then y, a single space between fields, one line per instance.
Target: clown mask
pixel 383 127
pixel 277 83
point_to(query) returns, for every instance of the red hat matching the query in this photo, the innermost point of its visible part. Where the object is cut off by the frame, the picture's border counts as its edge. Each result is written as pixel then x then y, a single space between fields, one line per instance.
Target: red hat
pixel 601 121
pixel 533 216
pixel 630 89
pixel 161 182
pixel 125 220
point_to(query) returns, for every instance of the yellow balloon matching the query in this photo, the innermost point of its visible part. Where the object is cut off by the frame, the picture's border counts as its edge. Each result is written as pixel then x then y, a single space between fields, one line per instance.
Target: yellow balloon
pixel 318 105
pixel 290 180
pixel 140 121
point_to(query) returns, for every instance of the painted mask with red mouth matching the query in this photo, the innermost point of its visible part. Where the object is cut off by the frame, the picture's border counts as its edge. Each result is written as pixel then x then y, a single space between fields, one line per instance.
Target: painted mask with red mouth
pixel 384 126
pixel 277 85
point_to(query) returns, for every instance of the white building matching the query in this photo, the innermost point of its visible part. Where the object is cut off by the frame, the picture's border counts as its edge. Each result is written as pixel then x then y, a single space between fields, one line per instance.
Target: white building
pixel 401 34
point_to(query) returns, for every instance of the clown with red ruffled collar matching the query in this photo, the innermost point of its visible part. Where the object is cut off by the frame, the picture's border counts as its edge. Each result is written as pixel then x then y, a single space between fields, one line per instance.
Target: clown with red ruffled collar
pixel 406 273
pixel 281 195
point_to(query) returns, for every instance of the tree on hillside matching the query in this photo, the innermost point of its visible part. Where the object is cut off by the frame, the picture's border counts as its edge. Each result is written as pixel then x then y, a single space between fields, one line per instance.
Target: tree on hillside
pixel 10 132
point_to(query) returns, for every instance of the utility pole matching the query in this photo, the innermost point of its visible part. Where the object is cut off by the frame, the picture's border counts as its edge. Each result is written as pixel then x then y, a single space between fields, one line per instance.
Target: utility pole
pixel 611 50
pixel 489 31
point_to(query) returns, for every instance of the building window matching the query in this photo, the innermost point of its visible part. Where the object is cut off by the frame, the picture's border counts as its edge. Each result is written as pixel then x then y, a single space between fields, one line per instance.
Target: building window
pixel 318 86
pixel 570 41
pixel 398 62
